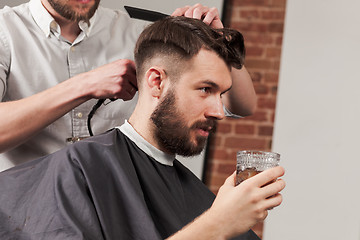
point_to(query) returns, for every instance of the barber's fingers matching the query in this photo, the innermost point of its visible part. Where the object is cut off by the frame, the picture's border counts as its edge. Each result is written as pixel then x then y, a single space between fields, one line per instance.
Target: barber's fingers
pixel 180 11
pixel 131 90
pixel 125 73
pixel 210 16
pixel 197 11
pixel 131 74
pixel 127 93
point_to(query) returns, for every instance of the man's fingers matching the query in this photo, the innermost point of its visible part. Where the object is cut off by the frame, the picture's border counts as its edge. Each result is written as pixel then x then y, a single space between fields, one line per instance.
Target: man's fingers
pixel 230 181
pixel 267 176
pixel 273 188
pixel 273 201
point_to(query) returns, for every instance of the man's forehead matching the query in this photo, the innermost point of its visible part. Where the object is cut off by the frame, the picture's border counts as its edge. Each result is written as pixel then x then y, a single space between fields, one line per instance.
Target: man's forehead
pixel 207 67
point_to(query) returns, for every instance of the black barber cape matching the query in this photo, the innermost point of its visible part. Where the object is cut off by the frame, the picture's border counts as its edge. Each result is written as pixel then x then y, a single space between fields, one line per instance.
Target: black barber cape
pixel 104 187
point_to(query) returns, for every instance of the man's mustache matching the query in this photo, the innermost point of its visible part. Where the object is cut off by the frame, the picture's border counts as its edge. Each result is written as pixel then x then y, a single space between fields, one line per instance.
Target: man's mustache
pixel 207 125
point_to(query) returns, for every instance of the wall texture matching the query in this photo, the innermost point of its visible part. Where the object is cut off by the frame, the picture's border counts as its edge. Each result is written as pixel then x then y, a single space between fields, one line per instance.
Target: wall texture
pixel 317 122
pixel 262 23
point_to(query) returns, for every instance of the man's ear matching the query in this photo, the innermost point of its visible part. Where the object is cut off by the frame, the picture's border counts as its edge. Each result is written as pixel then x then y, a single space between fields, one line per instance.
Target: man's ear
pixel 155 77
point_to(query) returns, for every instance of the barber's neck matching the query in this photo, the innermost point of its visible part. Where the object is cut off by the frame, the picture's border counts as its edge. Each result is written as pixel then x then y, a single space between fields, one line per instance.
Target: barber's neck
pixel 69 29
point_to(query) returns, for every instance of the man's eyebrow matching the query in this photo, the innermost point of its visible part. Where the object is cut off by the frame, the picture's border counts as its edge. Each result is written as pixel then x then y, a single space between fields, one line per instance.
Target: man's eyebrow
pixel 216 86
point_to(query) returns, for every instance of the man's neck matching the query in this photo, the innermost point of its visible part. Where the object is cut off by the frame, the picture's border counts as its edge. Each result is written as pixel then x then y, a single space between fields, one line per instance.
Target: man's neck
pixel 143 126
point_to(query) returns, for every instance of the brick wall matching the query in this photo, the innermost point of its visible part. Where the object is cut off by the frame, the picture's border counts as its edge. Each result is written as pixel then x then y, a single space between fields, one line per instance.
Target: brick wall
pixel 261 22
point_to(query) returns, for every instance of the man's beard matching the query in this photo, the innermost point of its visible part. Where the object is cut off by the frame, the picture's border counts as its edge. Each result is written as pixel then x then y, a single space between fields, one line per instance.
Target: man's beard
pixel 172 132
pixel 70 14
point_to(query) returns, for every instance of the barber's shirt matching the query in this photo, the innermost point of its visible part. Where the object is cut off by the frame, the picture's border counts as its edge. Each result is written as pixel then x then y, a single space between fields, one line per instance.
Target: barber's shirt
pixel 34 57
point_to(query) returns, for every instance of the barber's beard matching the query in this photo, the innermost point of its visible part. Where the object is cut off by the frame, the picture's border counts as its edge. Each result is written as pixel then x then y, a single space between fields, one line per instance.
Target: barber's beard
pixel 172 132
pixel 70 13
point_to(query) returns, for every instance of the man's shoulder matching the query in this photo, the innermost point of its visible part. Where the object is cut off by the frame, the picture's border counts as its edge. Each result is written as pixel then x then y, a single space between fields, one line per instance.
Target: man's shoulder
pixel 112 141
pixel 108 138
pixel 91 152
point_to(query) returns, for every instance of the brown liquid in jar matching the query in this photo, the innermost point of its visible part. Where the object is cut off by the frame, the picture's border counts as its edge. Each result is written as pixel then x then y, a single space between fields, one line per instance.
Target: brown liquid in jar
pixel 245 174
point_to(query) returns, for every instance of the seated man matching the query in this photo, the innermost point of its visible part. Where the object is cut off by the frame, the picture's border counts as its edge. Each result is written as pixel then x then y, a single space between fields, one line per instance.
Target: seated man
pixel 126 183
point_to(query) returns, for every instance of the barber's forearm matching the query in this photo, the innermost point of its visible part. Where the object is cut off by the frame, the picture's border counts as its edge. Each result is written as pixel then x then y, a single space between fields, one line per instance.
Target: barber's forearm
pixel 23 118
pixel 241 99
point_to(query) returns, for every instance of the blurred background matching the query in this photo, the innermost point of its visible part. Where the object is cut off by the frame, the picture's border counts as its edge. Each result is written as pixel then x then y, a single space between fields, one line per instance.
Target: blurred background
pixel 303 57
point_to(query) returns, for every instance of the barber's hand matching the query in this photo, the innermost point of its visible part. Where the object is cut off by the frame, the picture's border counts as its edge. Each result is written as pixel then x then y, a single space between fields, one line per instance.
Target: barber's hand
pixel 210 16
pixel 239 208
pixel 115 80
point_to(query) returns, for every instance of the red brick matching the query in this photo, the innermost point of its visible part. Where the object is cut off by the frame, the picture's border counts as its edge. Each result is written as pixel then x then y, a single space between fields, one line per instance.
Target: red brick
pixel 245 143
pixel 251 26
pixel 273 15
pixel 272 117
pixel 231 15
pixel 220 154
pixel 256 76
pixel 278 41
pixel 232 155
pixel 258 39
pixel 276 65
pixel 269 144
pixel 266 130
pixel 273 52
pixel 259 64
pixel 244 129
pixel 216 181
pixel 269 103
pixel 210 168
pixel 274 90
pixel 250 2
pixel 254 51
pixel 276 27
pixel 217 140
pixel 226 169
pixel 249 14
pixel 258 116
pixel 271 77
pixel 278 3
pixel 261 89
pixel 223 127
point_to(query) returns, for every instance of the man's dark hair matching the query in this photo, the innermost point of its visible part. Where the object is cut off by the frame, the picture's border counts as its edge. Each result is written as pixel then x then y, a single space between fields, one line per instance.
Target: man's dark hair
pixel 179 38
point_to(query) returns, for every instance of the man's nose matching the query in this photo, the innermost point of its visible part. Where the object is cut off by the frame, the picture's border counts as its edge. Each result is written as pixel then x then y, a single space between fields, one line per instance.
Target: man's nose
pixel 215 110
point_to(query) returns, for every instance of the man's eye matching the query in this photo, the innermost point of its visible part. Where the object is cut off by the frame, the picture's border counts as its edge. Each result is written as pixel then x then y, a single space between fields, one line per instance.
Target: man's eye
pixel 205 89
